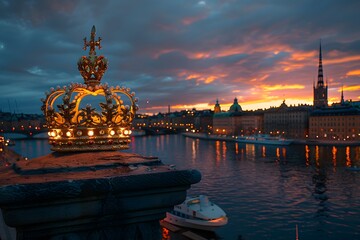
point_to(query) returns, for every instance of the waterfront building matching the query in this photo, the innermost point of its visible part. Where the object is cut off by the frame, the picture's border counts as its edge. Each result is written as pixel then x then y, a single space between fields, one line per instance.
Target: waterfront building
pixel 340 122
pixel 140 121
pixel 183 120
pixel 18 122
pixel 222 124
pixel 237 122
pixel 203 121
pixel 157 120
pixel 290 122
pixel 228 123
pixel 320 90
pixel 252 122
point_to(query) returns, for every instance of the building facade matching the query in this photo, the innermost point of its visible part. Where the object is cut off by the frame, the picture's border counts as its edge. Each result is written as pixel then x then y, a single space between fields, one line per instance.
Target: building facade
pixel 203 121
pixel 336 123
pixel 289 122
pixel 236 122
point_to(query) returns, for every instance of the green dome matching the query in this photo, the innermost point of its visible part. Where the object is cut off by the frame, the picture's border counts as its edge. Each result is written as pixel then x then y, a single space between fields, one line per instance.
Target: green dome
pixel 235 107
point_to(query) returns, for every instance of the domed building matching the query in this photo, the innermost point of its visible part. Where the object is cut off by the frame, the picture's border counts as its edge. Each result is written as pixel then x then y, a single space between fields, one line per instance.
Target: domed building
pixel 235 107
pixel 236 122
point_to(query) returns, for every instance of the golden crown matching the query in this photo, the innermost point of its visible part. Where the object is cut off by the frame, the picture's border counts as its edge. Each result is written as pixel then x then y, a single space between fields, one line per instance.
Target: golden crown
pixel 78 127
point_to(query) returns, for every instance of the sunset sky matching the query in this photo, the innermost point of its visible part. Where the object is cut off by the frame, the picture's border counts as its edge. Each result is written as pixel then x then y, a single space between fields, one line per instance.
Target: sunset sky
pixel 183 53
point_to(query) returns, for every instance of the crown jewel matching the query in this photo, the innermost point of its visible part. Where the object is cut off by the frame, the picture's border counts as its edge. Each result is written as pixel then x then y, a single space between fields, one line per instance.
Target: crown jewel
pixel 78 127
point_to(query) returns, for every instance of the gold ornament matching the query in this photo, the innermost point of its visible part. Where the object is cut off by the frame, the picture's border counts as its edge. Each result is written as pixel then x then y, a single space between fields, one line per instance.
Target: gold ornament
pixel 76 128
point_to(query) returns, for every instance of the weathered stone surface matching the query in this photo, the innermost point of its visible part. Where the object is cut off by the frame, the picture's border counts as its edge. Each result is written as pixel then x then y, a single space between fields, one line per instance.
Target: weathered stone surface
pixel 98 195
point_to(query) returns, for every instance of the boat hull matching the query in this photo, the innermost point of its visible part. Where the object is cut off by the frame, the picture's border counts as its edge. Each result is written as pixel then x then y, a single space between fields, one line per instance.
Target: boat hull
pixel 195 223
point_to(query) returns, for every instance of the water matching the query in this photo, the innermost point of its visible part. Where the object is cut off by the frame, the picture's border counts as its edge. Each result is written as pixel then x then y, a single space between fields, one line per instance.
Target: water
pixel 265 190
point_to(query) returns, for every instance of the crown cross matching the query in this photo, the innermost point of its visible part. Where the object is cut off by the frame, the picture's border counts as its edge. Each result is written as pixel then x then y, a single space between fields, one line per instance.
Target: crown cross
pixel 92 44
pixel 92 68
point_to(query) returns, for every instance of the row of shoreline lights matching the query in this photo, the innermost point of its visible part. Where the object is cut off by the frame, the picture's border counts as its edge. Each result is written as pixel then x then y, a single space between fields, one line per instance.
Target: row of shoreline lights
pixel 90 132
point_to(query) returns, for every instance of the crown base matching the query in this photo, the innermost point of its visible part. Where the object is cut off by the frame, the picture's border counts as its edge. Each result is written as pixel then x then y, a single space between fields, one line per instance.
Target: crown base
pixel 89 145
pixel 82 139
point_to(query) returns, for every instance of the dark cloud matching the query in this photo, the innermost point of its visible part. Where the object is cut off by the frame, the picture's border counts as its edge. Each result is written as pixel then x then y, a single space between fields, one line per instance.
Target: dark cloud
pixel 179 52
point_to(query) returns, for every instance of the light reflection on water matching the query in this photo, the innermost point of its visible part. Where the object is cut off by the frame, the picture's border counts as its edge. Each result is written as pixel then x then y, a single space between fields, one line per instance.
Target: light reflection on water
pixel 265 190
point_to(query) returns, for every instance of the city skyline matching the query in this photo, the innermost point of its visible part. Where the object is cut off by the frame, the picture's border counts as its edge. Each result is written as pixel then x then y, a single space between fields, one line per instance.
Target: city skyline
pixel 183 54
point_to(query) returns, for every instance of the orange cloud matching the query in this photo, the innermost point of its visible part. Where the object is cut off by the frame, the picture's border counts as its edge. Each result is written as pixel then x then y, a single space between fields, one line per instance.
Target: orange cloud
pixel 198 55
pixel 260 78
pixel 298 60
pixel 163 51
pixel 190 55
pixel 343 60
pixel 351 88
pixel 291 66
pixel 244 49
pixel 206 78
pixel 300 56
pixel 353 73
pixel 281 87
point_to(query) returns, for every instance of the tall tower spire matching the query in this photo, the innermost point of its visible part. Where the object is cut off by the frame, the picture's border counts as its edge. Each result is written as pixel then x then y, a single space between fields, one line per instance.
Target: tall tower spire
pixel 321 89
pixel 320 71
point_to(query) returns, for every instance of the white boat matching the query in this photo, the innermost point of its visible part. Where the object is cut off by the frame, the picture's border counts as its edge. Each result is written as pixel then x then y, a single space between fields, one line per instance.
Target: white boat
pixel 197 212
pixel 264 139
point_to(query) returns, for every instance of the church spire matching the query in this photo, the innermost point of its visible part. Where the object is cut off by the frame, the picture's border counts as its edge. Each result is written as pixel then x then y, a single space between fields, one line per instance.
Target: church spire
pixel 321 89
pixel 342 101
pixel 320 71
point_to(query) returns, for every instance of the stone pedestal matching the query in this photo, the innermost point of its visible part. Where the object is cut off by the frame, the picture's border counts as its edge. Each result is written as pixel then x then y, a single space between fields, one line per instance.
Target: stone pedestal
pixel 97 195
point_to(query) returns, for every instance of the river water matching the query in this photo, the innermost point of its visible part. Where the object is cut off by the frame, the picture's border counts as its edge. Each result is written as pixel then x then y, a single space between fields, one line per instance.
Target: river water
pixel 265 190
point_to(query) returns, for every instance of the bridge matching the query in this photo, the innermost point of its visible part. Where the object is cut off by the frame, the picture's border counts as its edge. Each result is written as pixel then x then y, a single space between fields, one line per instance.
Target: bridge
pixel 158 130
pixel 27 132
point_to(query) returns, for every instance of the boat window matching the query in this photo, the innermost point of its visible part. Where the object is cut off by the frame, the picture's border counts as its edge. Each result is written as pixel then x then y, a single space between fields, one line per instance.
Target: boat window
pixel 195 201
